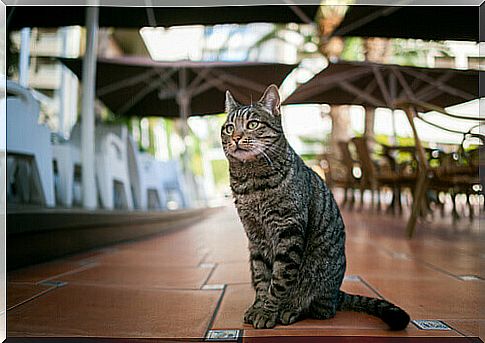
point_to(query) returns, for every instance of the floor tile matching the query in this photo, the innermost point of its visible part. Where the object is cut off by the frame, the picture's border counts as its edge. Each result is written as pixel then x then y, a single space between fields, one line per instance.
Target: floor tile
pixel 454 263
pixel 115 312
pixel 150 287
pixel 469 328
pixel 141 258
pixel 141 276
pixel 411 331
pixel 44 271
pixel 405 268
pixel 238 298
pixel 432 299
pixel 230 273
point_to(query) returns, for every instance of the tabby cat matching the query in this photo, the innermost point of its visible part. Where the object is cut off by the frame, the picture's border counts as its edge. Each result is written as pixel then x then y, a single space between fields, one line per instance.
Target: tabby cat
pixel 295 230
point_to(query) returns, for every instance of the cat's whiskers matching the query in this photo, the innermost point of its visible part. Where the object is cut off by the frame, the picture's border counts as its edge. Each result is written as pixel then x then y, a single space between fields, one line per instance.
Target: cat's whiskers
pixel 261 151
pixel 274 149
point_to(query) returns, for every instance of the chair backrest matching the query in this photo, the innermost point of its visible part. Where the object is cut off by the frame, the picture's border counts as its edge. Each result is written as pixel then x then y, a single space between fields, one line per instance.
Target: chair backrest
pixel 25 136
pixel 364 156
pixel 23 130
pixel 347 159
pixel 335 171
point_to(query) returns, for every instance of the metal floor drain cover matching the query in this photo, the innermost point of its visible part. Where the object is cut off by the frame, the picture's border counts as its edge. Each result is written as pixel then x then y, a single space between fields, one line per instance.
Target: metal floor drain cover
pixel 470 278
pixel 213 287
pixel 352 278
pixel 431 325
pixel 223 335
pixel 53 283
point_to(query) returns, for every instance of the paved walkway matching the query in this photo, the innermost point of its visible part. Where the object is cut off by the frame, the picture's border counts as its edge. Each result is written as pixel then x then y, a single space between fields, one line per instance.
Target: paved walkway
pixel 183 283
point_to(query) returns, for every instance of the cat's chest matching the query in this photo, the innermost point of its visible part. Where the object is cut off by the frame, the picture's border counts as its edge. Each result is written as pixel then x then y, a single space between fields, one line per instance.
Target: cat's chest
pixel 253 210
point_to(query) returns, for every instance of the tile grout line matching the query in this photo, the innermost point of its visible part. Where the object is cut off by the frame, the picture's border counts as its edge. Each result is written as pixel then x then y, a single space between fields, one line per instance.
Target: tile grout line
pixel 417 259
pixel 210 274
pixel 35 296
pixel 438 269
pixel 202 260
pixel 370 287
pixel 131 287
pixel 216 312
pixel 461 333
pixel 69 272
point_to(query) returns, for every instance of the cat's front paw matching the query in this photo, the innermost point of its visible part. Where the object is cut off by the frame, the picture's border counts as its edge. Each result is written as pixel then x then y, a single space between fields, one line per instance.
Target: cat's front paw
pixel 264 319
pixel 251 312
pixel 288 317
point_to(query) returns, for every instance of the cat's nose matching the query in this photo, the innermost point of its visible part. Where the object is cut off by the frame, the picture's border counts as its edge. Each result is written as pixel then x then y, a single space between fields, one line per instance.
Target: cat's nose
pixel 236 138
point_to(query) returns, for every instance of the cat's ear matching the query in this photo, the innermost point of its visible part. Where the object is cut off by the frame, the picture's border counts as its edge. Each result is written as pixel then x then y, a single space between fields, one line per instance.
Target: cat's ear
pixel 231 104
pixel 271 99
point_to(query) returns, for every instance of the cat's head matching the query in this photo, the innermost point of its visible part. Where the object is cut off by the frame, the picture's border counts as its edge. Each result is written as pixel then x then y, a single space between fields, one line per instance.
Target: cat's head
pixel 252 131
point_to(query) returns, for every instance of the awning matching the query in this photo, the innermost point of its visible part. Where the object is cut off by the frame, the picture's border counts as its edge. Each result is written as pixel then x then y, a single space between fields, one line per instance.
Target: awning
pixel 420 22
pixel 143 87
pixel 137 17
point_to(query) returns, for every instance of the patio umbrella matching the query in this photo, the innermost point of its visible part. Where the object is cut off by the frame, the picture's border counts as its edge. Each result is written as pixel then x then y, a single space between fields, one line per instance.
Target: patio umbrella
pixel 136 17
pixel 411 89
pixel 143 87
pixel 388 85
pixel 138 86
pixel 423 22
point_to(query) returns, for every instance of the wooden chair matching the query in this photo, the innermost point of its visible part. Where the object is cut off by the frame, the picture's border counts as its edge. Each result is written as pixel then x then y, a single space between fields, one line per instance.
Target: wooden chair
pixel 375 175
pixel 349 163
pixel 336 174
pixel 459 174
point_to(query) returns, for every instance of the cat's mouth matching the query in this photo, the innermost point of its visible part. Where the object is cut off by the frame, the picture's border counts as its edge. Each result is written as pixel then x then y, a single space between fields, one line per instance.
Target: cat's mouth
pixel 243 154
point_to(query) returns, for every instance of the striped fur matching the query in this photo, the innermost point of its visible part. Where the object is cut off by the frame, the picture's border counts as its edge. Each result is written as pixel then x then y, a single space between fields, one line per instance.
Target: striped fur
pixel 295 230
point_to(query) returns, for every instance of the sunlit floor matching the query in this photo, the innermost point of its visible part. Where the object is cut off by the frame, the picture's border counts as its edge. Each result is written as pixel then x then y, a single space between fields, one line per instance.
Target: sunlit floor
pixel 183 283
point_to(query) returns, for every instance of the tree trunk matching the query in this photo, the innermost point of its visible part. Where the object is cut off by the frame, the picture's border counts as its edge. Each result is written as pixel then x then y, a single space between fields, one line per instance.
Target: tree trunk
pixel 376 50
pixel 369 122
pixel 340 128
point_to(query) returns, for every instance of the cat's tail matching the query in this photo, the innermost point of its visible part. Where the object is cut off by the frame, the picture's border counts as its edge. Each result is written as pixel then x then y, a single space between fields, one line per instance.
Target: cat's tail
pixel 394 316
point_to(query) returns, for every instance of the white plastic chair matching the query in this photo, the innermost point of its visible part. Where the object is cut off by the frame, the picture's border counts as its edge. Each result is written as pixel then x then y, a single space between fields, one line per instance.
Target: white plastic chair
pixel 112 169
pixel 25 137
pixel 150 180
pixel 145 173
pixel 173 181
pixel 67 156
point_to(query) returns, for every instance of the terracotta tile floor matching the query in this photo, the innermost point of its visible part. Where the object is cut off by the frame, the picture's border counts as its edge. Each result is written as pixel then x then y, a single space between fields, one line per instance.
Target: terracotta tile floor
pixel 160 287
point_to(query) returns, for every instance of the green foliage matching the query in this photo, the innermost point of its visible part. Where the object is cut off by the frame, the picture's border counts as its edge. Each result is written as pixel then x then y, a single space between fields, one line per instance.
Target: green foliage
pixel 307 48
pixel 220 169
pixel 314 140
pixel 353 49
pixel 414 52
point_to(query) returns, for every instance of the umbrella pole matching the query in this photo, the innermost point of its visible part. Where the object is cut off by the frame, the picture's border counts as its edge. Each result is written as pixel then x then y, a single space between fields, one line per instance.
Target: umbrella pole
pixel 184 114
pixel 183 99
pixel 24 57
pixel 422 181
pixel 87 115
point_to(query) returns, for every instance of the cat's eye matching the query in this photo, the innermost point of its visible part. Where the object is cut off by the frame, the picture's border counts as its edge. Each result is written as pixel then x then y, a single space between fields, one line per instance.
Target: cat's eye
pixel 252 125
pixel 229 129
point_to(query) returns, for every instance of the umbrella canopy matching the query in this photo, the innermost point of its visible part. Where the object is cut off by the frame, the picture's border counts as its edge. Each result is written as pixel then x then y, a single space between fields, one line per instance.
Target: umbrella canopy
pixel 142 87
pixel 387 85
pixel 136 17
pixel 423 22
